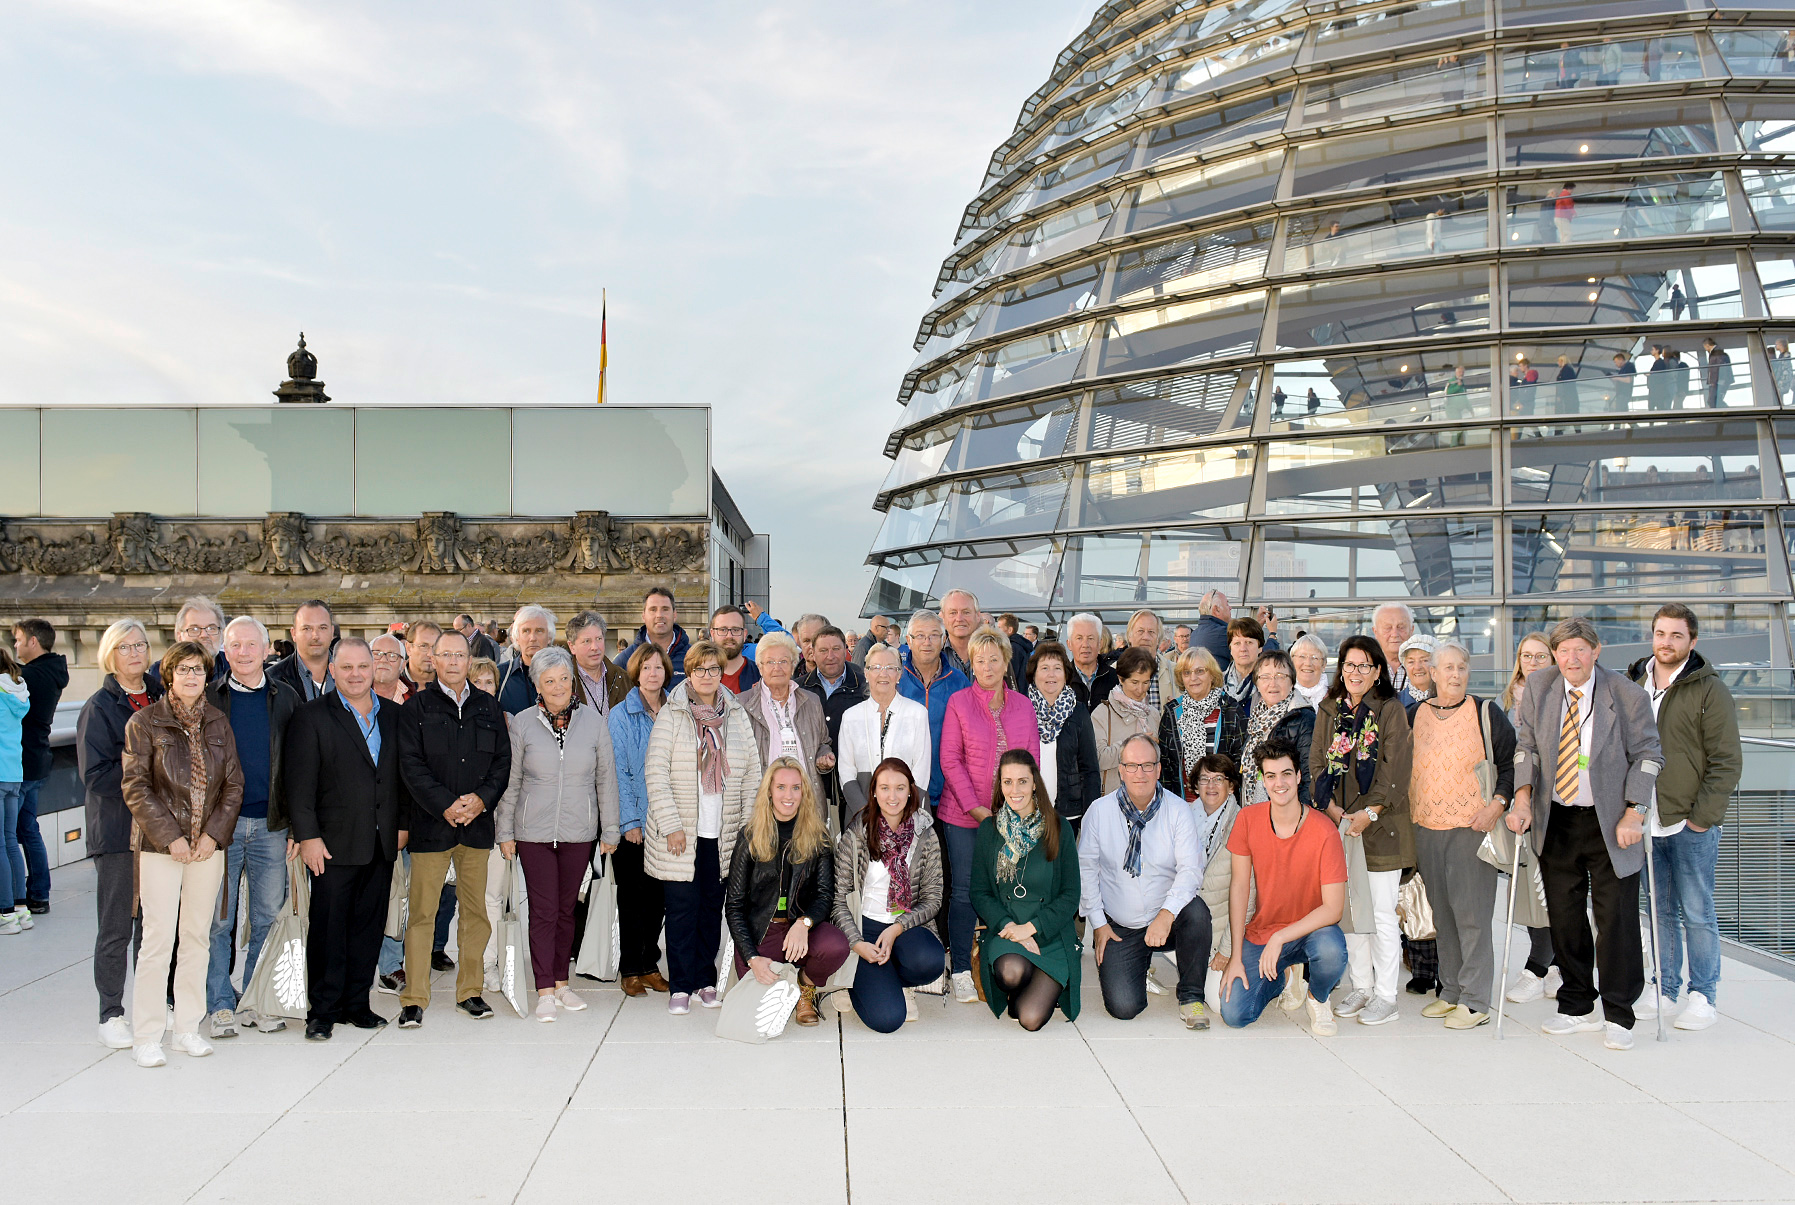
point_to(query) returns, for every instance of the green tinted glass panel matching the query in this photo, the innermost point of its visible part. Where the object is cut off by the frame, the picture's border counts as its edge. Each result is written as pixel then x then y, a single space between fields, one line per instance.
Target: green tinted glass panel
pixel 629 460
pixel 18 484
pixel 276 458
pixel 417 458
pixel 96 461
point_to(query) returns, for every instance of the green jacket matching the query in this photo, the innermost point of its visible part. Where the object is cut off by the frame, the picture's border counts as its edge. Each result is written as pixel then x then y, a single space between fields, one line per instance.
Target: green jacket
pixel 1698 728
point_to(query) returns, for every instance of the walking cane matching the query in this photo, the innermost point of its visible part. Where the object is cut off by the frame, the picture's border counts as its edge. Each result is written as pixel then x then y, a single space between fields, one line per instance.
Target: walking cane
pixel 1651 890
pixel 1508 945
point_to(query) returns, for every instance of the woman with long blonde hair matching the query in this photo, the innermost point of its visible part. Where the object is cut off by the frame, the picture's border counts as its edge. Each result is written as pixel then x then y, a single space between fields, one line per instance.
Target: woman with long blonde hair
pixel 781 887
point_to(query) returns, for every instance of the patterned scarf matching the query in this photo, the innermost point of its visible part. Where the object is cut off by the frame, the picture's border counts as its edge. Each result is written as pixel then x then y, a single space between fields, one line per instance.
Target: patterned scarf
pixel 1051 715
pixel 713 755
pixel 556 722
pixel 1020 836
pixel 895 844
pixel 1137 821
pixel 1193 724
pixel 1265 717
pixel 1355 745
pixel 1136 714
pixel 193 724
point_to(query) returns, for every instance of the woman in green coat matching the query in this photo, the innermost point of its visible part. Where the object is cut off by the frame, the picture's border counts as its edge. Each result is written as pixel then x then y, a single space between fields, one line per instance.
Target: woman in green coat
pixel 1026 892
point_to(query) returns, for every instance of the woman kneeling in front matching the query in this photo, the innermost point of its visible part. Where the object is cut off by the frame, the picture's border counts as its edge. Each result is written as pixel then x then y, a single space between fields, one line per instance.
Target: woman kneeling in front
pixel 888 890
pixel 1027 895
pixel 782 886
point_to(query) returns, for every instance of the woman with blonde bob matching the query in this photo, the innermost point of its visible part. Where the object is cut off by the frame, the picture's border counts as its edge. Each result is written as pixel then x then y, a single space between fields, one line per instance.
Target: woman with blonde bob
pixel 1203 719
pixel 781 888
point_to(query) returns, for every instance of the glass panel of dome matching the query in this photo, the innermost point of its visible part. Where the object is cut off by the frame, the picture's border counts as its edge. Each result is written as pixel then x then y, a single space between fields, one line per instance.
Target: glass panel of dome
pixel 1196 262
pixel 1416 386
pixel 1782 366
pixel 1766 52
pixel 1039 361
pixel 1234 122
pixel 1772 197
pixel 1393 305
pixel 912 518
pixel 1766 127
pixel 1056 181
pixel 1166 410
pixel 901 584
pixel 1518 13
pixel 18 485
pixel 1143 488
pixel 1003 504
pixel 1449 80
pixel 1619 374
pixel 1030 432
pixel 1474 627
pixel 1158 568
pixel 1601 64
pixel 1635 463
pixel 1778 278
pixel 1100 114
pixel 1731 633
pixel 1394 157
pixel 920 457
pixel 1431 557
pixel 1544 212
pixel 1183 332
pixel 1045 298
pixel 1694 286
pixel 1056 235
pixel 1396 28
pixel 1656 553
pixel 1413 471
pixel 1205 189
pixel 936 392
pixel 1258 55
pixel 1381 231
pixel 1785 448
pixel 1594 133
pixel 1005 575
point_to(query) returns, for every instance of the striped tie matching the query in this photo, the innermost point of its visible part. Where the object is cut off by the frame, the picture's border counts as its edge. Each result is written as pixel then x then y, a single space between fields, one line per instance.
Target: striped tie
pixel 1569 747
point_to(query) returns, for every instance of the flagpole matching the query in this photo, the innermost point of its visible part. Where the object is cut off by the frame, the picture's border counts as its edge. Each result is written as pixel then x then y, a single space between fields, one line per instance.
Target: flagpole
pixel 603 337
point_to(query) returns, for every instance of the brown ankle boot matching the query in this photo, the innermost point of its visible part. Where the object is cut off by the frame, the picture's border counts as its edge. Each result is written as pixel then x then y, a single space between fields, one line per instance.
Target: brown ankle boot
pixel 632 986
pixel 655 982
pixel 806 1014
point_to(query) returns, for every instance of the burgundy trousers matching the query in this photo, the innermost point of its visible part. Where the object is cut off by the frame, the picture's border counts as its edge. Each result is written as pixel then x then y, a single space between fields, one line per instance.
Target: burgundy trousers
pixel 828 950
pixel 552 874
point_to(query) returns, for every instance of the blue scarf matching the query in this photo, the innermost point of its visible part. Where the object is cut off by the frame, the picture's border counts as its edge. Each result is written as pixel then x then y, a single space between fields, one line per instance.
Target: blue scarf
pixel 1137 825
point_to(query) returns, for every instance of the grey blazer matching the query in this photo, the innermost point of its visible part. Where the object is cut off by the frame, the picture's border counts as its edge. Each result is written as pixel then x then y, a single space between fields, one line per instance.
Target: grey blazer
pixel 1624 756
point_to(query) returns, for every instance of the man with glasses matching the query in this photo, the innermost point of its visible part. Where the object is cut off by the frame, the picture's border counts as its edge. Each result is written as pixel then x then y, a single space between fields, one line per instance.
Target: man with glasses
pixel 603 684
pixel 258 708
pixel 307 671
pixel 202 621
pixel 729 629
pixel 1140 867
pixel 880 630
pixel 389 668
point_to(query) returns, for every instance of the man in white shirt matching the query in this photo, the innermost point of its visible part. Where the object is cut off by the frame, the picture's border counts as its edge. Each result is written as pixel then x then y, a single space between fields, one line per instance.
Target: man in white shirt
pixel 1139 867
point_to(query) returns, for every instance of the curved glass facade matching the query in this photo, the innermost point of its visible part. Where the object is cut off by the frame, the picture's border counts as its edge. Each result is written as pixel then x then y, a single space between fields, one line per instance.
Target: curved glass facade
pixel 1333 303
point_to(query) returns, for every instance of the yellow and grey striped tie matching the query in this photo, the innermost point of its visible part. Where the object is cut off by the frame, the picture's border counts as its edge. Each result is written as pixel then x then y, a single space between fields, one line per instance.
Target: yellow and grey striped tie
pixel 1569 747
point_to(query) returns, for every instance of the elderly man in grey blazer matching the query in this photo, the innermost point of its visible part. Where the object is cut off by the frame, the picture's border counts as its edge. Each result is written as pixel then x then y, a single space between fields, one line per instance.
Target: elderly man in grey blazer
pixel 1586 766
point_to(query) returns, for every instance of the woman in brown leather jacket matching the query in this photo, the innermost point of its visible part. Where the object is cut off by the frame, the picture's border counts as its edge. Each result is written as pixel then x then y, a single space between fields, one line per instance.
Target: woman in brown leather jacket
pixel 184 787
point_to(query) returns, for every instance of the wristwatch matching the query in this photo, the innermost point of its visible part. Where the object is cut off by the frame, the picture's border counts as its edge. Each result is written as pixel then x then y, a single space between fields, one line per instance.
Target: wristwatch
pixel 1641 808
pixel 1372 812
pixel 806 921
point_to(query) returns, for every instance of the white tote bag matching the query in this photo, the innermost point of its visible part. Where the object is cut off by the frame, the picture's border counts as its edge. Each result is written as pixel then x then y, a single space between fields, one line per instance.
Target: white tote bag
pixel 754 1011
pixel 517 982
pixel 280 988
pixel 602 946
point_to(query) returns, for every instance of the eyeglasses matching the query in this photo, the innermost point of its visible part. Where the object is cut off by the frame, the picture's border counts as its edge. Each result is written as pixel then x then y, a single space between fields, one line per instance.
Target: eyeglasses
pixel 1535 658
pixel 210 629
pixel 1140 767
pixel 137 646
pixel 1211 780
pixel 883 669
pixel 707 671
pixel 389 657
pixel 738 631
pixel 190 671
pixel 1356 667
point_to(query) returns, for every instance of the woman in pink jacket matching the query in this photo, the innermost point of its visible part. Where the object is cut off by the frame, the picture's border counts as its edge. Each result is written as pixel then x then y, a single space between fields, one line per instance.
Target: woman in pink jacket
pixel 982 722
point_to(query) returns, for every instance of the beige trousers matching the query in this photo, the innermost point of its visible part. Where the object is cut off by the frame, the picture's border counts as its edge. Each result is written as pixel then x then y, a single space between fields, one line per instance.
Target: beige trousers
pixel 428 870
pixel 176 897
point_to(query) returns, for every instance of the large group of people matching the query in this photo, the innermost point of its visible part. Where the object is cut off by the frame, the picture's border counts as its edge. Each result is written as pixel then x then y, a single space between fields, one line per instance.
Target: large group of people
pixel 959 804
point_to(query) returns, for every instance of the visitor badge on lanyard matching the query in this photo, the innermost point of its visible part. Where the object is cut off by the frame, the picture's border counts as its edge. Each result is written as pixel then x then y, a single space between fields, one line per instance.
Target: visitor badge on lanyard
pixel 788 740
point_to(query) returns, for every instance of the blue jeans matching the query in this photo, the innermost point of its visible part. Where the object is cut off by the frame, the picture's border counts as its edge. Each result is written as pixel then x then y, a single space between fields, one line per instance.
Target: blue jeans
pixel 265 854
pixel 37 858
pixel 12 859
pixel 961 919
pixel 1325 952
pixel 878 990
pixel 1684 863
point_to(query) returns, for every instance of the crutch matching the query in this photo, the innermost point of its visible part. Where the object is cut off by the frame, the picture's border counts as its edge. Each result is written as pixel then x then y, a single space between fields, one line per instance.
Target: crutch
pixel 1508 932
pixel 1651 890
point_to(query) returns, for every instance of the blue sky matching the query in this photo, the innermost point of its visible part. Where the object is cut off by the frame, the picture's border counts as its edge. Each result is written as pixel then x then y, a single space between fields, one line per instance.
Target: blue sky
pixel 437 193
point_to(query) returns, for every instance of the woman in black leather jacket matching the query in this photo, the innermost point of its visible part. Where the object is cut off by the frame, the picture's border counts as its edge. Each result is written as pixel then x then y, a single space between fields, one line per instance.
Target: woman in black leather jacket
pixel 781 888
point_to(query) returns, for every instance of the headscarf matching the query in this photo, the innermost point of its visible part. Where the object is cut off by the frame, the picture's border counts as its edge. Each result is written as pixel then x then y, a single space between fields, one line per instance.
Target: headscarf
pixel 1265 717
pixel 1020 836
pixel 1051 715
pixel 193 723
pixel 713 753
pixel 1193 725
pixel 1137 822
pixel 1355 746
pixel 895 844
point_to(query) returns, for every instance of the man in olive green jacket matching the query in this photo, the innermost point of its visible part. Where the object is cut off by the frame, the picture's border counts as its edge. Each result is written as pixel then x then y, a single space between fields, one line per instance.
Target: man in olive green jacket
pixel 1699 731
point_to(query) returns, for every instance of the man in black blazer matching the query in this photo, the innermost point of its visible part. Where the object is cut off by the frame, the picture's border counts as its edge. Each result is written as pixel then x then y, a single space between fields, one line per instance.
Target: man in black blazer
pixel 348 809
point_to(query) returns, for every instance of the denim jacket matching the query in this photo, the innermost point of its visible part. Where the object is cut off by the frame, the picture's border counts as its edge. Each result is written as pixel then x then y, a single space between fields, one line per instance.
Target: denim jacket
pixel 631 723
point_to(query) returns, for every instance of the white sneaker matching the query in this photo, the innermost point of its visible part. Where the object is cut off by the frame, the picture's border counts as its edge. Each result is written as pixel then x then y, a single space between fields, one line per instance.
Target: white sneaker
pixel 545 1007
pixel 1554 981
pixel 1379 1012
pixel 1528 988
pixel 224 1024
pixel 1354 1003
pixel 9 923
pixel 492 979
pixel 1321 1019
pixel 1153 984
pixel 271 1024
pixel 1616 1037
pixel 191 1043
pixel 964 992
pixel 22 914
pixel 116 1034
pixel 569 999
pixel 1296 990
pixel 1559 1024
pixel 1651 1000
pixel 910 1013
pixel 149 1055
pixel 1698 1013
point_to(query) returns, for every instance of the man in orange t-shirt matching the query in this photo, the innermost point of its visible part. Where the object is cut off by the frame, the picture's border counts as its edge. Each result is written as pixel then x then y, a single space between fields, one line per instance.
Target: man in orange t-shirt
pixel 1294 857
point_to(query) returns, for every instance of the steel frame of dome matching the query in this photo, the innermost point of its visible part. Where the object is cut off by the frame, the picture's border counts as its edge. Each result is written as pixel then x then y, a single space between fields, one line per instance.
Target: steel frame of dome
pixel 1285 299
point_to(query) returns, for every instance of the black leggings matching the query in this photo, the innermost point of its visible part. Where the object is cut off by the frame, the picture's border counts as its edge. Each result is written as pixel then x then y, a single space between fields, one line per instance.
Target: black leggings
pixel 1033 993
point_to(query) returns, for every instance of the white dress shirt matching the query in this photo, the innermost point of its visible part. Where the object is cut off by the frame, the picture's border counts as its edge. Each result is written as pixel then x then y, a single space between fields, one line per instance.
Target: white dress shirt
pixel 1585 797
pixel 1171 863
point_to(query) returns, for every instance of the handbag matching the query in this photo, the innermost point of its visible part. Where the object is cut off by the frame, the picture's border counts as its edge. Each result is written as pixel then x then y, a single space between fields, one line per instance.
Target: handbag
pixel 1485 771
pixel 1358 916
pixel 754 1012
pixel 602 947
pixel 279 987
pixel 516 980
pixel 1498 849
pixel 1414 912
pixel 398 899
